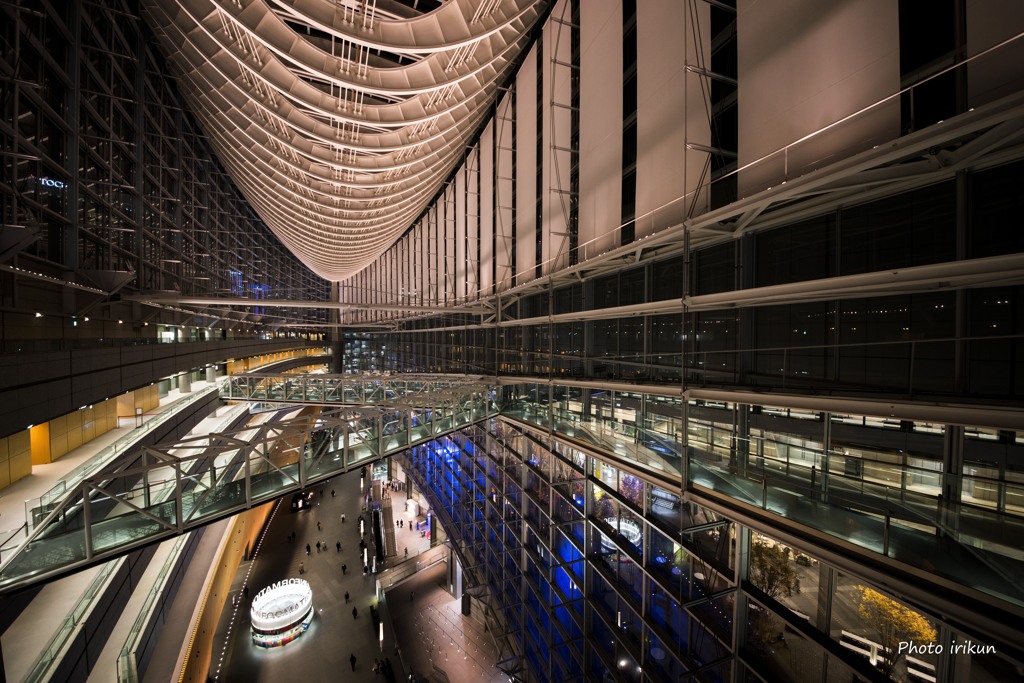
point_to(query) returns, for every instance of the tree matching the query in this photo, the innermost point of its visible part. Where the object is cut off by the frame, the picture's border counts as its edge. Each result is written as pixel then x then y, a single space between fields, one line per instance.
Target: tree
pixel 892 624
pixel 771 571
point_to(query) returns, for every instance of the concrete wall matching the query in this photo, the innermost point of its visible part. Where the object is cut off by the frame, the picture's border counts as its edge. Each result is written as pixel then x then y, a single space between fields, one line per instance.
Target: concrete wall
pixel 83 650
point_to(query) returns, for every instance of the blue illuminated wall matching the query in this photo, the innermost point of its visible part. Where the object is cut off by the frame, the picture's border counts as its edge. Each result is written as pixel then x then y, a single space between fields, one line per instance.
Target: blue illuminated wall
pixel 588 572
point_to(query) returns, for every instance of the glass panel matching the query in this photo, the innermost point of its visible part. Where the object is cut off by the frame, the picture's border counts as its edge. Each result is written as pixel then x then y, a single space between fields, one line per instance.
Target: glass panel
pixel 872 625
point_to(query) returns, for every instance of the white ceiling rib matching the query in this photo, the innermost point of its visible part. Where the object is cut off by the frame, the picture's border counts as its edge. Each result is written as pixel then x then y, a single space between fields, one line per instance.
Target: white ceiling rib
pixel 338 120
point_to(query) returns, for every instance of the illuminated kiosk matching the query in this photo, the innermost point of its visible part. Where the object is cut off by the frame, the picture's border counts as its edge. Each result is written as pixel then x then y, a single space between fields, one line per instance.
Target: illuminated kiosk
pixel 281 612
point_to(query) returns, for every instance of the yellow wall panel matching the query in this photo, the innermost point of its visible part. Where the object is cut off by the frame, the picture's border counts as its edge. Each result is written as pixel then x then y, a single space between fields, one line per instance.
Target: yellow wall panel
pixel 74 438
pixel 106 416
pixel 18 443
pixel 21 466
pixel 126 405
pixel 150 398
pixel 3 450
pixel 101 418
pixel 58 437
pixel 5 474
pixel 58 445
pixel 39 444
pixel 59 425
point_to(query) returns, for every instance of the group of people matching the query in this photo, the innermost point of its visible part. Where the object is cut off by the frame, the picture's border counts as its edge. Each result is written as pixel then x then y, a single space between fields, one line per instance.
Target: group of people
pixel 321 545
pixel 383 667
pixel 380 666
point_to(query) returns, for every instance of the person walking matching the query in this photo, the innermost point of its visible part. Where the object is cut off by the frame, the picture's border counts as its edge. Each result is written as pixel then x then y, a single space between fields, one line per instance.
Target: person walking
pixel 332 493
pixel 355 612
pixel 407 551
pixel 318 546
pixel 307 549
pixel 302 568
pixel 346 597
pixel 342 517
pixel 338 546
pixel 352 660
pixel 344 569
pixel 319 526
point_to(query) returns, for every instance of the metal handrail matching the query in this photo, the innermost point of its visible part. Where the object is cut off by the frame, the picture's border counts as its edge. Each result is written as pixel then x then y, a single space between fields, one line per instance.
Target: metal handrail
pixel 107 455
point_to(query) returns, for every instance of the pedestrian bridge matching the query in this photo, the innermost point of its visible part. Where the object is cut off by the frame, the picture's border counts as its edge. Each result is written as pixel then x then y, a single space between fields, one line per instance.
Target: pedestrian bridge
pixel 160 492
pixel 398 391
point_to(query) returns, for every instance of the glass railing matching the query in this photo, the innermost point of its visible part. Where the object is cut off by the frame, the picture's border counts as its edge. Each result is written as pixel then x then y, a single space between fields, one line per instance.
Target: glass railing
pixel 973 545
pixel 51 345
pixel 36 509
pixel 127 660
pixel 429 390
pixel 211 476
pixel 646 448
pixel 51 655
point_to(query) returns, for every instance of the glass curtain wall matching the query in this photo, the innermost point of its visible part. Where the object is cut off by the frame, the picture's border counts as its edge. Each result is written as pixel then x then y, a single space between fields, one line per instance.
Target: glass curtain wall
pixel 596 569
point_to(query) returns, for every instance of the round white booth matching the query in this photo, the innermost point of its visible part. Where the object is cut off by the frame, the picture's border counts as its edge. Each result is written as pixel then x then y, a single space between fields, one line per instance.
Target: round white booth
pixel 281 612
pixel 627 528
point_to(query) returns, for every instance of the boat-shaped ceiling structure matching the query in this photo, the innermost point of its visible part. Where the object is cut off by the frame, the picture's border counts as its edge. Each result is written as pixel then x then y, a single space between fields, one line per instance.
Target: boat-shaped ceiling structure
pixel 340 119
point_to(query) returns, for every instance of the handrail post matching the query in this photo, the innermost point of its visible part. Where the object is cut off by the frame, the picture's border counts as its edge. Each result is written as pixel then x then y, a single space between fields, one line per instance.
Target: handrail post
pixel 247 478
pixel 178 499
pixel 86 521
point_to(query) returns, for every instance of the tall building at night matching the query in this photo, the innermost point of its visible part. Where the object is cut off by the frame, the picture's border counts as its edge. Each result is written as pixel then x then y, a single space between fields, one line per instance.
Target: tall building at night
pixel 744 281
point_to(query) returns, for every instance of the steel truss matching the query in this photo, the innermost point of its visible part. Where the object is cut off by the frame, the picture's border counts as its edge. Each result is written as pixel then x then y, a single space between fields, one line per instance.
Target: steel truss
pixel 173 488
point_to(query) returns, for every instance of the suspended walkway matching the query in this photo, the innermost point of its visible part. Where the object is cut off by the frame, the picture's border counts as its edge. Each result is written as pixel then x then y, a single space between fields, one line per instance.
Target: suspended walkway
pixel 174 488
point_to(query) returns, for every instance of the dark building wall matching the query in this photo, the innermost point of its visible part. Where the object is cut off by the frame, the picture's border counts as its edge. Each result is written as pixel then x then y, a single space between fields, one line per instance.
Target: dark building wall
pixel 35 387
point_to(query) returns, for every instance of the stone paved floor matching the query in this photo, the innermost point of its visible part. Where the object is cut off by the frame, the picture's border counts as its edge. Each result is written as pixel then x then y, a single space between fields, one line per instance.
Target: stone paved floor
pixel 438 642
pixel 431 631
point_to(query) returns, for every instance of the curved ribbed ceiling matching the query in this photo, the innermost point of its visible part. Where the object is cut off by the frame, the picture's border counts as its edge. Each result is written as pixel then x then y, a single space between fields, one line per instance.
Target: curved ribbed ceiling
pixel 340 119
